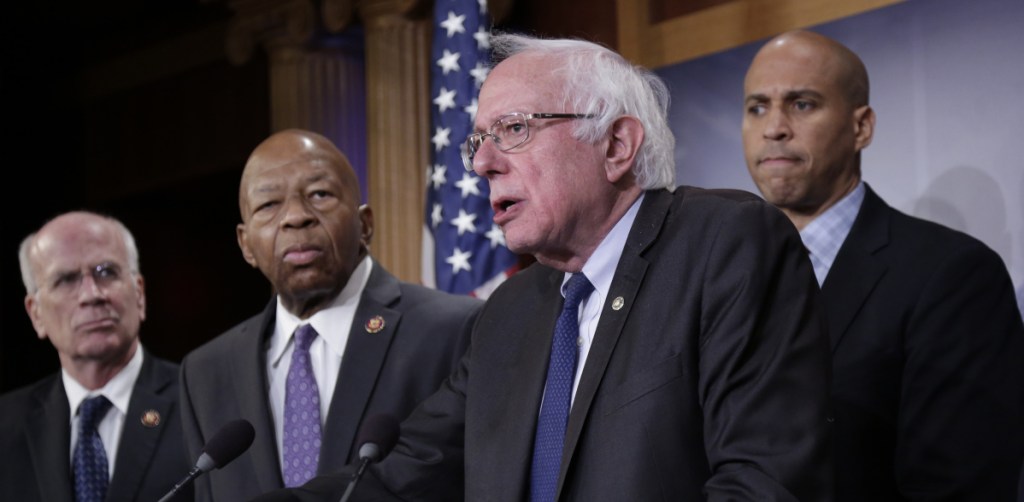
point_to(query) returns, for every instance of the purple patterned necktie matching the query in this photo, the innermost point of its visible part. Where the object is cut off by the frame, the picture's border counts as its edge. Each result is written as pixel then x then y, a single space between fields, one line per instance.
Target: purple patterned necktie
pixel 554 411
pixel 90 459
pixel 301 439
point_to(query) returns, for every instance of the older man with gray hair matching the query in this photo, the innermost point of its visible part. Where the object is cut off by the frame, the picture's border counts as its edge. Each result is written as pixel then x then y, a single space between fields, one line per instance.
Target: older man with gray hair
pixel 107 426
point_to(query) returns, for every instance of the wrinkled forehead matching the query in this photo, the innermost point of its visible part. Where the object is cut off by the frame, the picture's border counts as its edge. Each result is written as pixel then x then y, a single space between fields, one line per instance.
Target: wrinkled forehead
pixel 792 64
pixel 526 83
pixel 70 245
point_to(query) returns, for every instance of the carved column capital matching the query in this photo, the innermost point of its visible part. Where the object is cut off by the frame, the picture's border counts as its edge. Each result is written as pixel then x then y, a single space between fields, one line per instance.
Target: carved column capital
pixel 273 23
pixel 375 12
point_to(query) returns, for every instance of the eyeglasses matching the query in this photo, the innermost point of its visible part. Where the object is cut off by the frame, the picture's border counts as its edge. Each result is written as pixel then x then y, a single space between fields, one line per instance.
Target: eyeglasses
pixel 68 282
pixel 508 132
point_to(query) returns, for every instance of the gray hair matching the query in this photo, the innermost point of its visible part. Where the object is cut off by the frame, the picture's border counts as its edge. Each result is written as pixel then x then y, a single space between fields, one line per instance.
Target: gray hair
pixel 602 83
pixel 24 261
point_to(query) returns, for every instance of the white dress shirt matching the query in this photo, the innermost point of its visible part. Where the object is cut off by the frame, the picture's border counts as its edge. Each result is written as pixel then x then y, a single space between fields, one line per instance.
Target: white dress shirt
pixel 332 325
pixel 599 269
pixel 118 391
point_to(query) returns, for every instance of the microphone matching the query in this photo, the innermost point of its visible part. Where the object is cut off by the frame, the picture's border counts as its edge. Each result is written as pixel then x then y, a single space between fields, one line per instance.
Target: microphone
pixel 376 438
pixel 227 444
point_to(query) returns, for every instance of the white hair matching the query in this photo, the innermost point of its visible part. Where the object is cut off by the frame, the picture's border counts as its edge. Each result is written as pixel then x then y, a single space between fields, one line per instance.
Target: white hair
pixel 25 249
pixel 602 83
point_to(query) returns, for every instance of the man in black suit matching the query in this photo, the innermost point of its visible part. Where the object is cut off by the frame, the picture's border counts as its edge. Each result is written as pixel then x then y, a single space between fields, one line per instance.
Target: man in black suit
pixel 382 346
pixel 688 360
pixel 927 342
pixel 86 295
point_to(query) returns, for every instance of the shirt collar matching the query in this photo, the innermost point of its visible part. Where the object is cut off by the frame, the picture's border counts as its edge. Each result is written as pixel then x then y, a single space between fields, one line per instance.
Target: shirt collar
pixel 600 267
pixel 118 390
pixel 824 235
pixel 331 323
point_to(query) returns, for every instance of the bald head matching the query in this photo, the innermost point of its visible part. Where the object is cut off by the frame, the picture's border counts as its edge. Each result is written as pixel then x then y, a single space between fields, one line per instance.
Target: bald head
pixel 293 146
pixel 302 224
pixel 806 121
pixel 833 58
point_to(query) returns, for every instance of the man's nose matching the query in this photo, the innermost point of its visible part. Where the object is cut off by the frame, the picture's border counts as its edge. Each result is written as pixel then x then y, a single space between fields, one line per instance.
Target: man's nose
pixel 776 126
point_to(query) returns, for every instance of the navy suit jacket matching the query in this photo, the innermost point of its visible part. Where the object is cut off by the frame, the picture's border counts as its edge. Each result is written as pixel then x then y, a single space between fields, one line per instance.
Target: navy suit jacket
pixel 425 333
pixel 707 378
pixel 928 358
pixel 35 441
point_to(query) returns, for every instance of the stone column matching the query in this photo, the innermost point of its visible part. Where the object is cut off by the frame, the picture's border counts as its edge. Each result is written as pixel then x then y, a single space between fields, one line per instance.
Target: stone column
pixel 398 105
pixel 317 80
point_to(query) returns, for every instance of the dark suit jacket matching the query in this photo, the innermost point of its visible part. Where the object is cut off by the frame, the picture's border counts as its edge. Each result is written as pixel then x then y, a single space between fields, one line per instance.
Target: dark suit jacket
pixel 928 358
pixel 35 441
pixel 425 333
pixel 708 380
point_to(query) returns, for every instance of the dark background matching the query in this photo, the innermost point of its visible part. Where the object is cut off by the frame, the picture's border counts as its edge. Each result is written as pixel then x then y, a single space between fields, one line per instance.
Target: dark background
pixel 130 108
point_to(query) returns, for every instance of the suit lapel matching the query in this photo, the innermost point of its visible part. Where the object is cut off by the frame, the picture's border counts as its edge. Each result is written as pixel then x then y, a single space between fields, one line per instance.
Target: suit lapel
pixel 629 275
pixel 251 366
pixel 523 385
pixel 373 329
pixel 49 441
pixel 856 270
pixel 139 442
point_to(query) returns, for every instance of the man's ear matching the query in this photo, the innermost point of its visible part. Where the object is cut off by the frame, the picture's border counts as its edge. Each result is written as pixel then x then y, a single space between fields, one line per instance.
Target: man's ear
pixel 863 126
pixel 32 308
pixel 140 289
pixel 243 244
pixel 625 136
pixel 366 233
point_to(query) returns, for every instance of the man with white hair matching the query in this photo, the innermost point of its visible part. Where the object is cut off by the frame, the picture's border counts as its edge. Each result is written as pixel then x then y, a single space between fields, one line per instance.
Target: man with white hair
pixel 667 344
pixel 107 426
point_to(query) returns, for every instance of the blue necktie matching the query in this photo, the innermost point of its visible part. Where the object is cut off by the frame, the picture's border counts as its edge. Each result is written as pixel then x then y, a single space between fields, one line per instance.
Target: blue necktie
pixel 301 439
pixel 554 412
pixel 90 459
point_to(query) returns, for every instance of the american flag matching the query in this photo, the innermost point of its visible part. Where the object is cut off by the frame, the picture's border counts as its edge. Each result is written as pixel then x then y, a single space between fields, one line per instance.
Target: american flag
pixel 463 250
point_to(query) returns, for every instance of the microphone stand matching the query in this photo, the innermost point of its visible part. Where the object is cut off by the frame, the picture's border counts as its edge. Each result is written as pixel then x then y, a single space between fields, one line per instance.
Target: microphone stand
pixel 355 479
pixel 192 475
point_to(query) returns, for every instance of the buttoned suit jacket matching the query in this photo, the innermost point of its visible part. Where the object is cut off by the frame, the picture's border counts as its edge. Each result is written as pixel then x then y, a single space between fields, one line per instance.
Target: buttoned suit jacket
pixel 35 441
pixel 928 358
pixel 707 378
pixel 424 334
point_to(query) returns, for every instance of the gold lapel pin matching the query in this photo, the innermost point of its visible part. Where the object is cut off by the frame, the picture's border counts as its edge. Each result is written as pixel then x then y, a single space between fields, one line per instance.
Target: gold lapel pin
pixel 375 324
pixel 151 418
pixel 617 303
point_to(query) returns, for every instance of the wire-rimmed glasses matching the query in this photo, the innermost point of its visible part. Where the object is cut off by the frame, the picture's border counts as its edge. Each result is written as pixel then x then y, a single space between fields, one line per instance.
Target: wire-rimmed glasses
pixel 508 132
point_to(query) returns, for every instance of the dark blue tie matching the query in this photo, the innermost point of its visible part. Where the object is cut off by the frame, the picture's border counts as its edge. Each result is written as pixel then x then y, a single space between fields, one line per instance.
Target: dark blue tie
pixel 90 459
pixel 554 412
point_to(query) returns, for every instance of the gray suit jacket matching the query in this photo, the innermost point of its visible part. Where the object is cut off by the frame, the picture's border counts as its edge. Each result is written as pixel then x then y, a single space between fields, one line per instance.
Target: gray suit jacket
pixel 35 441
pixel 425 333
pixel 707 380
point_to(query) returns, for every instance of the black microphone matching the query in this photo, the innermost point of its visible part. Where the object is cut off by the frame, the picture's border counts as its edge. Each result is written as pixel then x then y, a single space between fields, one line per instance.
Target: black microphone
pixel 227 444
pixel 376 438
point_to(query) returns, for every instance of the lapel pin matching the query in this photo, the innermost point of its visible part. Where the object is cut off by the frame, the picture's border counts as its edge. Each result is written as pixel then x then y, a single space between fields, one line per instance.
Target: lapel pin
pixel 617 303
pixel 375 324
pixel 151 418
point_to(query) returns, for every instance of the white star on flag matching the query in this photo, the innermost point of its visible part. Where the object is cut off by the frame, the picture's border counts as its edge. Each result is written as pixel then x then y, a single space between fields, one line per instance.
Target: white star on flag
pixel 483 6
pixel 468 185
pixel 435 216
pixel 449 62
pixel 471 110
pixel 483 39
pixel 445 99
pixel 440 139
pixel 438 176
pixel 459 260
pixel 453 24
pixel 479 74
pixel 464 222
pixel 496 236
